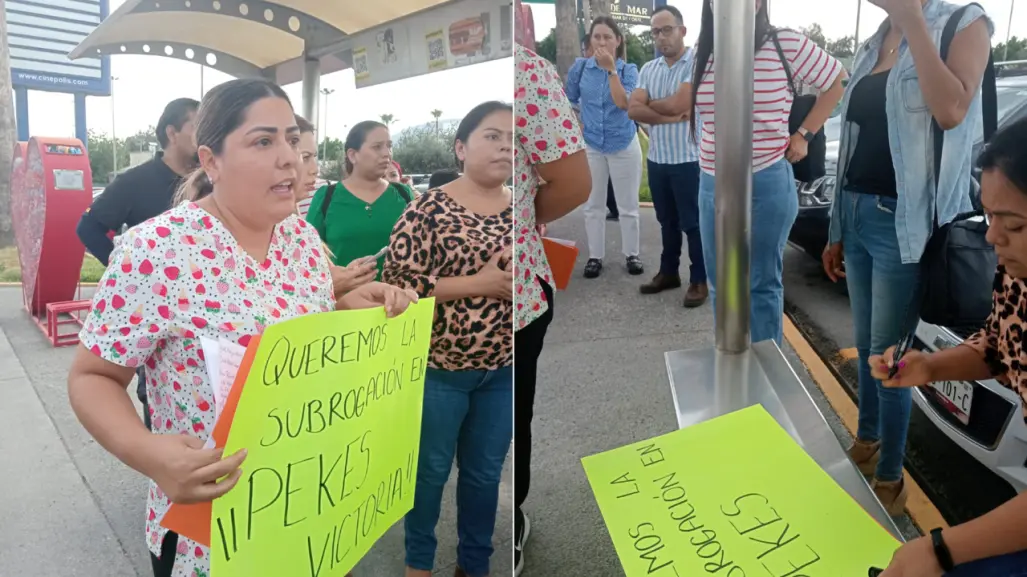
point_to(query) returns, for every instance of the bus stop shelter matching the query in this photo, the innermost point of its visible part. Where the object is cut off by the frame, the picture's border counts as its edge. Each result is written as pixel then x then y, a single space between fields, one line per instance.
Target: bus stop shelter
pixel 299 40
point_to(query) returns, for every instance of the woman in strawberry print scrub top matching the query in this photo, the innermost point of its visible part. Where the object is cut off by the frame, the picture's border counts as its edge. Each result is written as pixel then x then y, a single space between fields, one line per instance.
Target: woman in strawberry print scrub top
pixel 225 266
pixel 549 148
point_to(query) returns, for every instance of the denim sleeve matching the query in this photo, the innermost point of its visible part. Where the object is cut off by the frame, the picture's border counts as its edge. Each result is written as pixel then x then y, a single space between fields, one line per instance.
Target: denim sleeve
pixel 573 87
pixel 971 14
pixel 629 78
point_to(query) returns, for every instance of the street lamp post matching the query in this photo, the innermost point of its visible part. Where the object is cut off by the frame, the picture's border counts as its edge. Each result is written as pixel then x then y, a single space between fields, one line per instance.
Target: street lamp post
pixel 114 137
pixel 1009 29
pixel 855 41
pixel 324 135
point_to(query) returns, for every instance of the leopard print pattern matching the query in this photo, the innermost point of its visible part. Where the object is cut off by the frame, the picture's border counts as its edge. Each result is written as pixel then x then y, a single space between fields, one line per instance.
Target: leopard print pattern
pixel 1000 342
pixel 439 238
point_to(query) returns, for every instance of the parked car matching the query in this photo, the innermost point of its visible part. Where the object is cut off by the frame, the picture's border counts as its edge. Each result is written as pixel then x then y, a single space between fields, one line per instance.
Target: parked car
pixel 983 417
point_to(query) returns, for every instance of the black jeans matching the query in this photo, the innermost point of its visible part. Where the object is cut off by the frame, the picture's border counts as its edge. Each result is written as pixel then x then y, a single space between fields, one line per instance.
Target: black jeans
pixel 675 190
pixel 141 393
pixel 163 565
pixel 528 344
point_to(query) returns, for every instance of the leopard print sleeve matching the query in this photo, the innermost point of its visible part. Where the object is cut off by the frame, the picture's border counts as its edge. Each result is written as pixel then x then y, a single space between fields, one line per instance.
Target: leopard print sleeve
pixel 408 263
pixel 986 340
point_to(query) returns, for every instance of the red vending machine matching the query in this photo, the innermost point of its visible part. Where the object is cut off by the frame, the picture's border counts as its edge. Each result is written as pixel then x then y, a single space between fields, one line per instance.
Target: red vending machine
pixel 51 186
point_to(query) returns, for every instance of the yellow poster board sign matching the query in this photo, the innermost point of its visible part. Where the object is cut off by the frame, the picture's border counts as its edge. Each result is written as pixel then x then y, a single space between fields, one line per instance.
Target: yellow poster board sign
pixel 735 496
pixel 330 414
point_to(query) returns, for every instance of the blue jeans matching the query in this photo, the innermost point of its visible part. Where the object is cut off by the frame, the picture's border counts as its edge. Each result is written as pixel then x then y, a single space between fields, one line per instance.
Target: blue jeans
pixel 1012 565
pixel 469 414
pixel 882 293
pixel 775 204
pixel 675 190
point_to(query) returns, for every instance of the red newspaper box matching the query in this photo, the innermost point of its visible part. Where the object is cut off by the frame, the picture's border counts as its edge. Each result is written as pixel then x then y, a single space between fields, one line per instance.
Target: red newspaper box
pixel 51 186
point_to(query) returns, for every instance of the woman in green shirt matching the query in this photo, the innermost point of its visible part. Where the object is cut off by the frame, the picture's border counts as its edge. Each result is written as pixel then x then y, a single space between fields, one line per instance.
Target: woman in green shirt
pixel 355 217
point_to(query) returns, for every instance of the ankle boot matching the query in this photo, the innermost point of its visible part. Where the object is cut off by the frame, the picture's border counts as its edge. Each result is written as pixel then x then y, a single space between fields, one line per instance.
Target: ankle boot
pixel 865 455
pixel 892 495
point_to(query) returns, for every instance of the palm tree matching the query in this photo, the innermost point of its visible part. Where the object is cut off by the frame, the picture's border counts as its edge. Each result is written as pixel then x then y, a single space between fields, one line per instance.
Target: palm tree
pixel 387 119
pixel 7 134
pixel 568 46
pixel 436 113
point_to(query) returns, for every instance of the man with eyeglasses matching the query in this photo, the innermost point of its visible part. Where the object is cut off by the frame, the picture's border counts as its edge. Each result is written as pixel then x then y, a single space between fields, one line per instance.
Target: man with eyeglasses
pixel 673 159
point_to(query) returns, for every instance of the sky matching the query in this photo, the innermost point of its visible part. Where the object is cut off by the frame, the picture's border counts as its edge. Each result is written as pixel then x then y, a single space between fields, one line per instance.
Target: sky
pixel 145 84
pixel 836 17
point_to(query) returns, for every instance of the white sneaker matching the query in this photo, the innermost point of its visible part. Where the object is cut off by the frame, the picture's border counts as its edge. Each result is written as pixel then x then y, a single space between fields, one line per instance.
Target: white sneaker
pixel 519 542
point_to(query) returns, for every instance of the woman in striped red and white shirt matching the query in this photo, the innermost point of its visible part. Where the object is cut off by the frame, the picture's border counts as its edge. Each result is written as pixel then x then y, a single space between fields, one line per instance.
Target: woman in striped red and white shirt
pixel 775 202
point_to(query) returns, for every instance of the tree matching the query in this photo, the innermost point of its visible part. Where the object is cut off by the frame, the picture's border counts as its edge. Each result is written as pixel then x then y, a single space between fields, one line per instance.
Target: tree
pixel 331 149
pixel 101 156
pixel 423 150
pixel 387 119
pixel 815 33
pixel 1017 50
pixel 639 47
pixel 8 134
pixel 568 45
pixel 437 114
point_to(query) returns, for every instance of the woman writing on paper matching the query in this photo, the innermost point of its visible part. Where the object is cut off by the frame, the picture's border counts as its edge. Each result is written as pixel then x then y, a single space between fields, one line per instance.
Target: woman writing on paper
pixel 217 266
pixel 453 243
pixel 994 545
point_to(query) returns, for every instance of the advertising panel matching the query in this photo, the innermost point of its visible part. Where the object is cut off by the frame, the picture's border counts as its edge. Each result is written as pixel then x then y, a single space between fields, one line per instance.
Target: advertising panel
pixel 40 36
pixel 454 35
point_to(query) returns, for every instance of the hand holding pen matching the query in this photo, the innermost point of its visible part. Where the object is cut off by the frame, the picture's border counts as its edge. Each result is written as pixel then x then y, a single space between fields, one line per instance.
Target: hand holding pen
pixel 901 365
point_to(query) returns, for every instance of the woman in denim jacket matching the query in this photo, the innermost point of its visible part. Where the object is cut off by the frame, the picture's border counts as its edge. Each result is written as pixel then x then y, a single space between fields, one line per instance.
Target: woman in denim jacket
pixel 886 197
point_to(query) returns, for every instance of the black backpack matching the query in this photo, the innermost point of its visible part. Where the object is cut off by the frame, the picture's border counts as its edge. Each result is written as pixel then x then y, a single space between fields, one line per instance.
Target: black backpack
pixel 812 167
pixel 404 192
pixel 958 266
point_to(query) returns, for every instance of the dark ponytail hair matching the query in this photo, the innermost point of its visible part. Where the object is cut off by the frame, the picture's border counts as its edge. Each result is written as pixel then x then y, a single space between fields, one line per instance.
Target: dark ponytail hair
pixel 622 50
pixel 1006 153
pixel 704 48
pixel 357 137
pixel 473 120
pixel 221 112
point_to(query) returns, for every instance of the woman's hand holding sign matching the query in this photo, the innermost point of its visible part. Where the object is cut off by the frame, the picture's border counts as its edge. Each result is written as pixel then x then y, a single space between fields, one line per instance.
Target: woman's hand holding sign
pixel 189 473
pixel 377 294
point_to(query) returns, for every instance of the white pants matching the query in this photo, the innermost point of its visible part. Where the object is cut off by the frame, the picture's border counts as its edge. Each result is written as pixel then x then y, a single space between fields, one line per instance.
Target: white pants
pixel 625 169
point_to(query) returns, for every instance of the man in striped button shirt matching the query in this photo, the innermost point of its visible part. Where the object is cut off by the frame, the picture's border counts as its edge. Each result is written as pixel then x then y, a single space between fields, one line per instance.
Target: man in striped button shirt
pixel 673 158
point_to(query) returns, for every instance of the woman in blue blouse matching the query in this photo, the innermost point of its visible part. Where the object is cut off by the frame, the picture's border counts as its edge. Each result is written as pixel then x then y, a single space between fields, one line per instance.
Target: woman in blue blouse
pixel 599 87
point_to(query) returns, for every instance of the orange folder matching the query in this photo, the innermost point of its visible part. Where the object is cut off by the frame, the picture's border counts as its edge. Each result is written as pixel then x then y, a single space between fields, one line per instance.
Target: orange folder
pixel 561 254
pixel 193 521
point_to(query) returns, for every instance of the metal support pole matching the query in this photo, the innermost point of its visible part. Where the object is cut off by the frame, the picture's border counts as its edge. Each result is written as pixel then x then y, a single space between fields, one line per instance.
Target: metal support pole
pixel 733 49
pixel 311 88
pixel 859 10
pixel 1009 29
pixel 21 112
pixel 324 135
pixel 114 137
pixel 81 130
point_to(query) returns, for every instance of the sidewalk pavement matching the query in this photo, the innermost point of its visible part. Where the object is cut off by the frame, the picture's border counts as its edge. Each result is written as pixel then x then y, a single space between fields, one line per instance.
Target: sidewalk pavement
pixel 71 509
pixel 603 384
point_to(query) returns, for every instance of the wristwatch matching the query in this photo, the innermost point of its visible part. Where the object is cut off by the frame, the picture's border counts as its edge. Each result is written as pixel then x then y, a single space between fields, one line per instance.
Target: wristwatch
pixel 941 550
pixel 806 135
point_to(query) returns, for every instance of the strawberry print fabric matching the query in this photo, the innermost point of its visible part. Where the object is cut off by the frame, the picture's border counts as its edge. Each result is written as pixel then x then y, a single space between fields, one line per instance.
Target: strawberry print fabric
pixel 545 130
pixel 181 276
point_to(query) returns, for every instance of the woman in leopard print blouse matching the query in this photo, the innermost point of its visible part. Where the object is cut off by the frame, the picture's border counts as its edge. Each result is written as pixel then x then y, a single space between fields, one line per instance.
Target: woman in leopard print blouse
pixel 996 543
pixel 453 243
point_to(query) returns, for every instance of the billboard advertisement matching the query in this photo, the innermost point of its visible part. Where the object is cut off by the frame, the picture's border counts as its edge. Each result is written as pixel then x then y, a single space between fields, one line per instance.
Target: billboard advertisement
pixel 453 35
pixel 40 36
